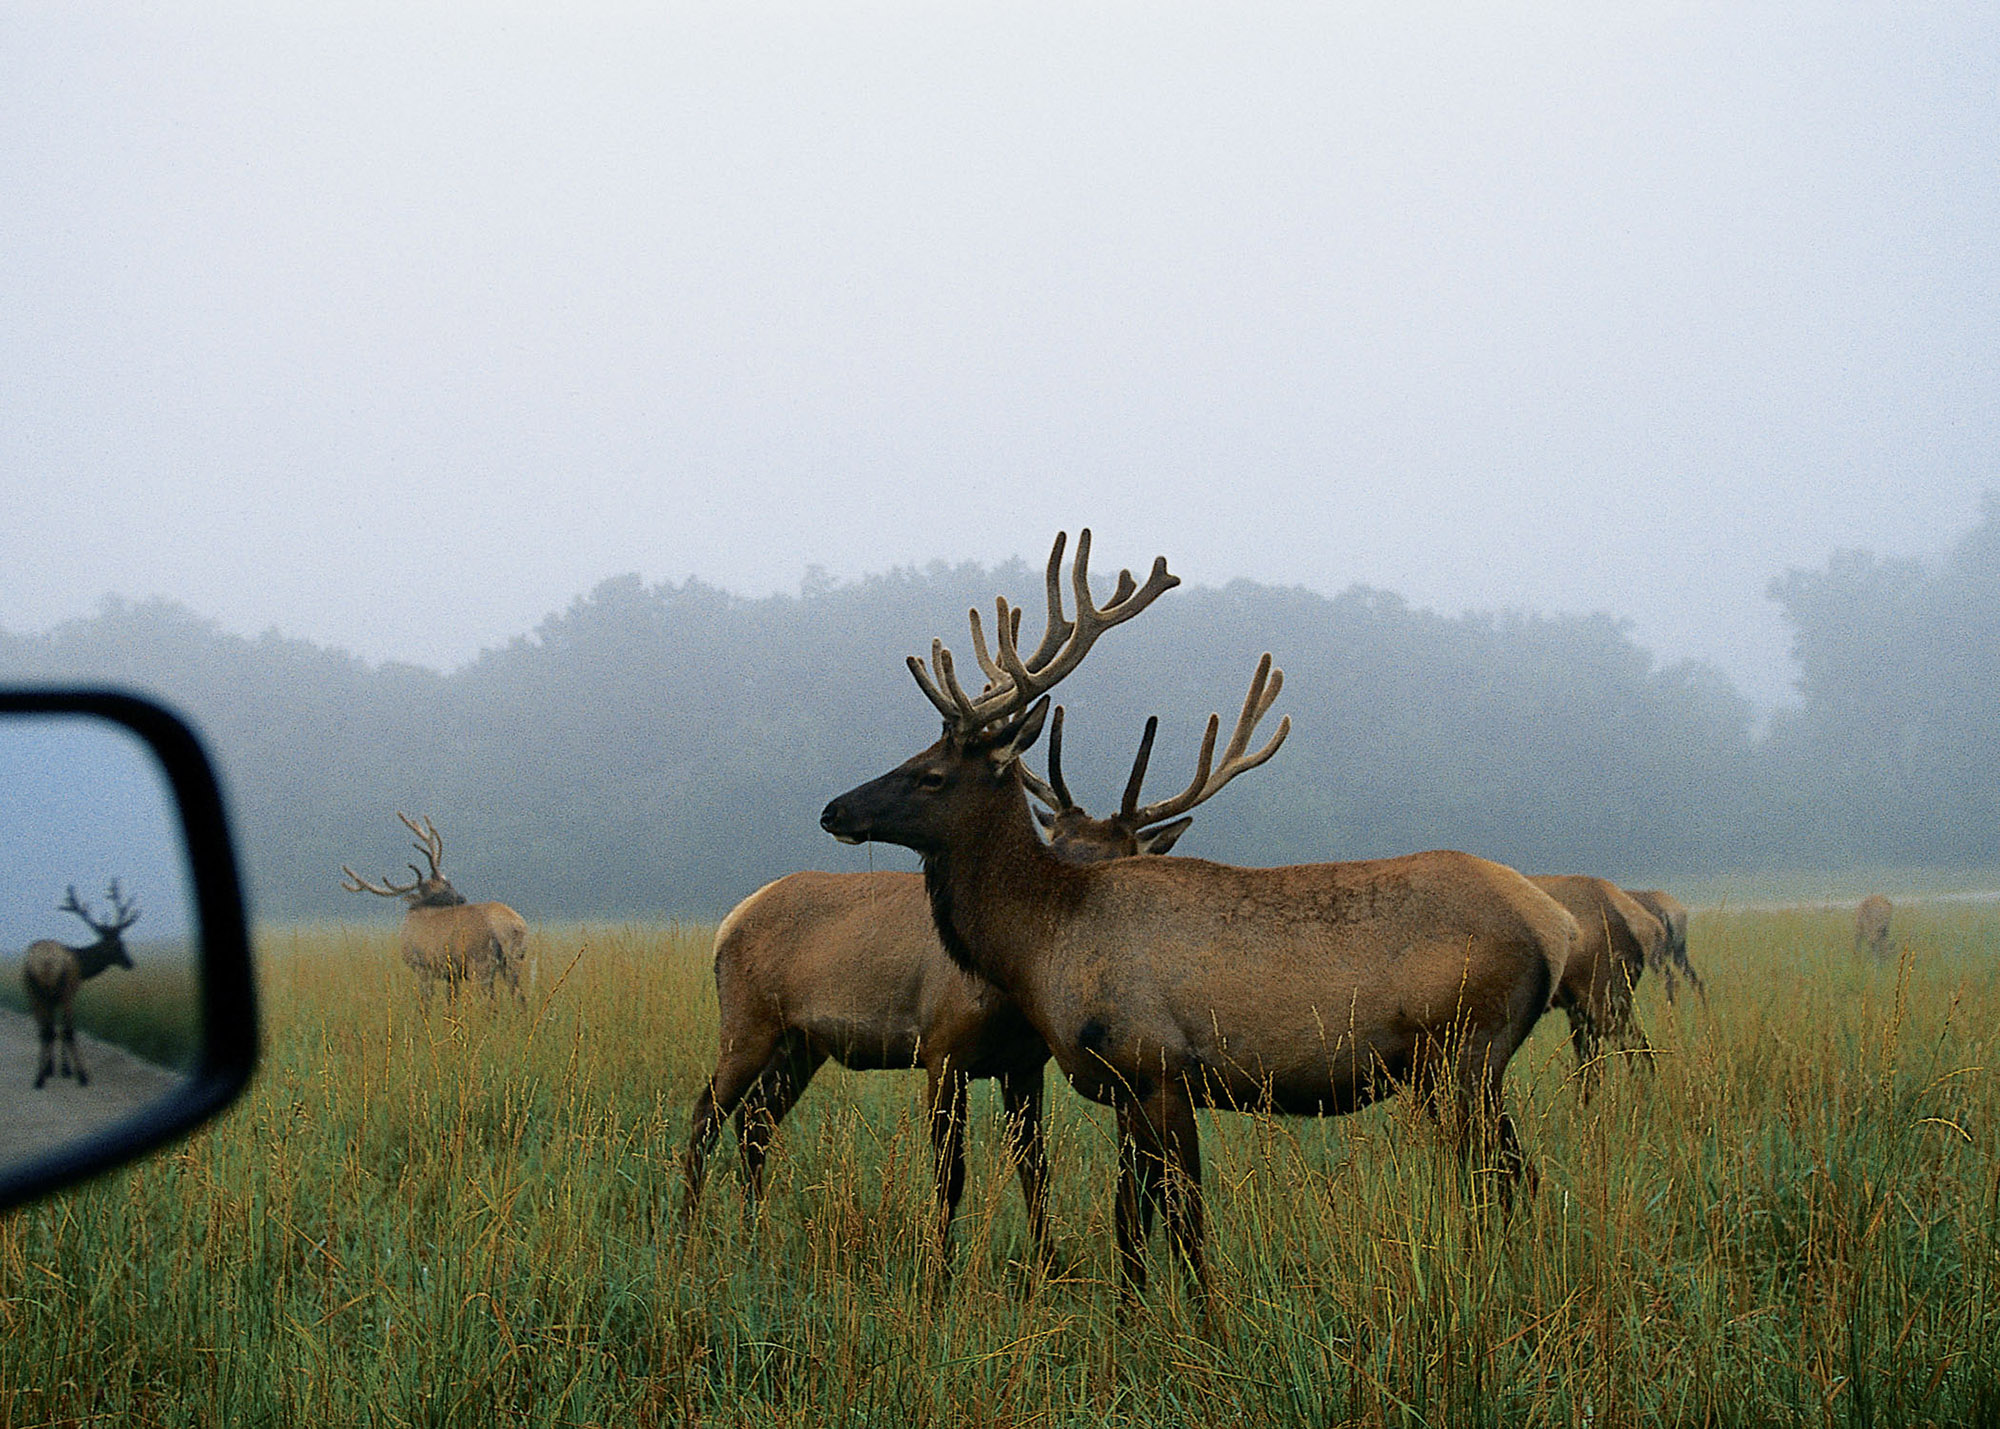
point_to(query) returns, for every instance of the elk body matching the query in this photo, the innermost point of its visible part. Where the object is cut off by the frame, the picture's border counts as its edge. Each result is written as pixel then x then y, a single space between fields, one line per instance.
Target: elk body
pixel 1673 916
pixel 848 967
pixel 1871 927
pixel 1619 938
pixel 53 971
pixel 1163 985
pixel 445 938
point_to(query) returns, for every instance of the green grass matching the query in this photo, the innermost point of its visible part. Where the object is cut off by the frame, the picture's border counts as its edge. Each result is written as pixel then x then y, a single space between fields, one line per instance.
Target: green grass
pixel 1795 1219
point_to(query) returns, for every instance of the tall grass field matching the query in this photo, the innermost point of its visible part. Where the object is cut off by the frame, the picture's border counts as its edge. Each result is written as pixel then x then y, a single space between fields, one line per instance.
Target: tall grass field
pixel 471 1218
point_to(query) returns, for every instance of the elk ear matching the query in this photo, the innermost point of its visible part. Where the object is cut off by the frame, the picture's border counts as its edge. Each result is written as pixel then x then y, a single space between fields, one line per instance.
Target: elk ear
pixel 1045 817
pixel 1016 741
pixel 1161 839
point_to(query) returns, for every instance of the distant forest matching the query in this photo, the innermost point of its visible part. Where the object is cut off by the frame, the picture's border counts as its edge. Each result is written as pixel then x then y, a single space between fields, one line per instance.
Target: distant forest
pixel 666 749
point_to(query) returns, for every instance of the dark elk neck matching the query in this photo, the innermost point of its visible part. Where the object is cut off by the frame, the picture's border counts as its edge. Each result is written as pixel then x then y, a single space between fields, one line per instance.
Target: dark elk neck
pixel 97 957
pixel 990 891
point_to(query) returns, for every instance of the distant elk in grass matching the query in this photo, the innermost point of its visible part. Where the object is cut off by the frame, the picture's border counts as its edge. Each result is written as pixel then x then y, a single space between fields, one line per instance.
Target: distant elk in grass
pixel 445 938
pixel 1621 938
pixel 848 966
pixel 1871 927
pixel 53 971
pixel 1673 916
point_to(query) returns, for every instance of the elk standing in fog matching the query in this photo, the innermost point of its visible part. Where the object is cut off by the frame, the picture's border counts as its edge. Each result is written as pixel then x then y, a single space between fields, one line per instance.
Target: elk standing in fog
pixel 848 966
pixel 53 971
pixel 1673 916
pixel 445 938
pixel 1164 984
pixel 1619 939
pixel 1871 927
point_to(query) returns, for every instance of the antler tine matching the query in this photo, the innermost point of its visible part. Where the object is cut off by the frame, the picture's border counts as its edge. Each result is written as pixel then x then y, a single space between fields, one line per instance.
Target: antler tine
pixel 1027 680
pixel 431 845
pixel 993 671
pixel 1059 626
pixel 1264 688
pixel 355 883
pixel 123 913
pixel 1129 804
pixel 1007 621
pixel 71 905
pixel 1056 780
pixel 1052 792
pixel 1093 620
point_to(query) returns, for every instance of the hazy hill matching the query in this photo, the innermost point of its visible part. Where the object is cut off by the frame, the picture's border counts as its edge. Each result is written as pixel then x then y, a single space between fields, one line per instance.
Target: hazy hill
pixel 668 748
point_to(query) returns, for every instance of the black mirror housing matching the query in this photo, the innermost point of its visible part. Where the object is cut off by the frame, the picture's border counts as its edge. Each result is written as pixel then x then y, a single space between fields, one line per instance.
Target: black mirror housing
pixel 227 996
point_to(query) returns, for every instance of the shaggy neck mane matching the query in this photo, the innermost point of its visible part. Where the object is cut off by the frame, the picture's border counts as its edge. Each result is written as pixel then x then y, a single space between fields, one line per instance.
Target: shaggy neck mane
pixel 971 895
pixel 94 959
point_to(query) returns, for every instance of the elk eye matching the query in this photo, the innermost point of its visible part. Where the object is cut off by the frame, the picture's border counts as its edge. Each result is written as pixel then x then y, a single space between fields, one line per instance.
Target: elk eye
pixel 931 779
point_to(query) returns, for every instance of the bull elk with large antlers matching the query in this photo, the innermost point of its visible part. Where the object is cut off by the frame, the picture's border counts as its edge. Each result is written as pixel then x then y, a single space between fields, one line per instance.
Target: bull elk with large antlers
pixel 848 966
pixel 445 938
pixel 1165 984
pixel 53 971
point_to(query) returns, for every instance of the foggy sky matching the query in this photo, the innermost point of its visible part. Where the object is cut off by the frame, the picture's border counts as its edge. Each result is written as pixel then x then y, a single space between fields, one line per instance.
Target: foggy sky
pixel 397 331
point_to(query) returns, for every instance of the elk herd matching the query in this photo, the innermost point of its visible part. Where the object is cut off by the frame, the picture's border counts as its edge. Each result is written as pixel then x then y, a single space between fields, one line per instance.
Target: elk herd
pixel 1035 933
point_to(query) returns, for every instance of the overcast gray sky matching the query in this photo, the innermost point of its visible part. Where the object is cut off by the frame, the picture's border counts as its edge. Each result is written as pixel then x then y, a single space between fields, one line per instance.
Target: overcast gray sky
pixel 398 327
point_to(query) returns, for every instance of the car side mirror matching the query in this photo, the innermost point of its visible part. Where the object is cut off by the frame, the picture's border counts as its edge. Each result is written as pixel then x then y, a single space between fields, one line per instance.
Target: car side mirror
pixel 127 1003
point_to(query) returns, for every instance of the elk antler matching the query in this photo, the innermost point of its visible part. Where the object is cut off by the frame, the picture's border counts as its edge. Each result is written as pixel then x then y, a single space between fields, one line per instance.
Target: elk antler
pixel 432 845
pixel 1052 792
pixel 123 914
pixel 355 883
pixel 1264 688
pixel 1016 683
pixel 1054 632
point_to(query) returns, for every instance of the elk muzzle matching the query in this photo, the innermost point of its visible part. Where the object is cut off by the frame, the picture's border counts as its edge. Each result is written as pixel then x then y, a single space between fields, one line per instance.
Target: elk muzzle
pixel 838 819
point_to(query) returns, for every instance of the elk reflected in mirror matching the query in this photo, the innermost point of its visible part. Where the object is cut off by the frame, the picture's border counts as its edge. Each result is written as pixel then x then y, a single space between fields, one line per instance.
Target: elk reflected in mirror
pixel 100 992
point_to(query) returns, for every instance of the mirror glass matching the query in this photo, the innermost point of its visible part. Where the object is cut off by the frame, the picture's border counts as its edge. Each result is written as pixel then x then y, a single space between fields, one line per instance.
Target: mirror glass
pixel 100 977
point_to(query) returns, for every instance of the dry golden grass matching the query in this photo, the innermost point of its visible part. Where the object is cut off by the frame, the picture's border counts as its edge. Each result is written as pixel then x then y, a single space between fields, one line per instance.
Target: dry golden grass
pixel 470 1219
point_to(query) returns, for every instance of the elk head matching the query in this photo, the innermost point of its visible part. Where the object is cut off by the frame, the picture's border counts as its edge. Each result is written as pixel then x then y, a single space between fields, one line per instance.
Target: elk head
pixel 423 891
pixel 1154 827
pixel 109 949
pixel 972 774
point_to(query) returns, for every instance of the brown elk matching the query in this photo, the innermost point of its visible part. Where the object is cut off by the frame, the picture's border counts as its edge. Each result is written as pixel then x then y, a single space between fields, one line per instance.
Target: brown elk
pixel 1620 938
pixel 1871 927
pixel 848 966
pixel 445 938
pixel 1165 984
pixel 1673 916
pixel 53 971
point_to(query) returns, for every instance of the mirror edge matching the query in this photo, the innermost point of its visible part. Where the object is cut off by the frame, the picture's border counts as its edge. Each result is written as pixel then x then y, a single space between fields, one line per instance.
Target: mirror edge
pixel 228 982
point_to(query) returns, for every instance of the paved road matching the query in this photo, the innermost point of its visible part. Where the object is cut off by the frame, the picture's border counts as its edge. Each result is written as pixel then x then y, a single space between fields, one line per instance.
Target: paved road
pixel 33 1121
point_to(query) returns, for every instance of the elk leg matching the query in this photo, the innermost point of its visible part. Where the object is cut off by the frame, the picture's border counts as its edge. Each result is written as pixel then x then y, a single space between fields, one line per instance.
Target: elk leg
pixel 47 1029
pixel 1021 1094
pixel 1488 1138
pixel 1139 1169
pixel 1180 1191
pixel 947 1091
pixel 1631 1037
pixel 72 1059
pixel 1584 1037
pixel 737 1070
pixel 766 1104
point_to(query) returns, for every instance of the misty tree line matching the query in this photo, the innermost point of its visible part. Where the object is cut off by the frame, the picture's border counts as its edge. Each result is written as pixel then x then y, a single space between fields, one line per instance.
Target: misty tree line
pixel 667 749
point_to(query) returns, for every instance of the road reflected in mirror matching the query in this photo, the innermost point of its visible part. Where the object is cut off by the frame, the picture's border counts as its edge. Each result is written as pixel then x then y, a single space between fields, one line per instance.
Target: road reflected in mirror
pixel 100 994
